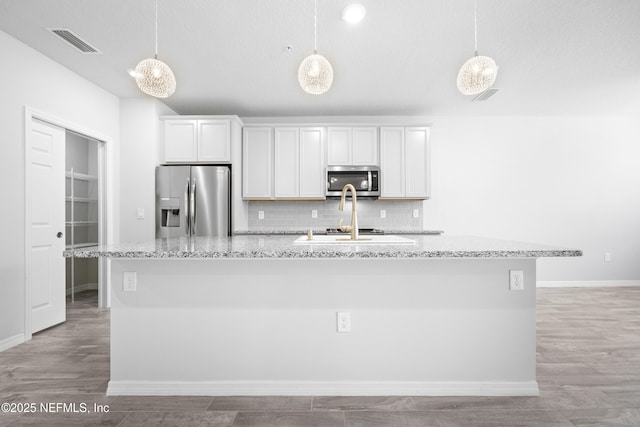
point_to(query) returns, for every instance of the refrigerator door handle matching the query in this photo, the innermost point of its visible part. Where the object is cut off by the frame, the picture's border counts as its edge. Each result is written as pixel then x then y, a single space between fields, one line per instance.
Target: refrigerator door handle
pixel 192 208
pixel 186 208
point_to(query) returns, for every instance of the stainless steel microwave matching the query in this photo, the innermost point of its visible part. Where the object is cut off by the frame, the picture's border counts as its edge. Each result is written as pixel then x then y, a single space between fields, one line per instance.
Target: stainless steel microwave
pixel 365 179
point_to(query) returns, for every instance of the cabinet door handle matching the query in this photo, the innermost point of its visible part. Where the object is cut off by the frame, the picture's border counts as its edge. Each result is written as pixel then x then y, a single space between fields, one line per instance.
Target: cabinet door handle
pixel 59 235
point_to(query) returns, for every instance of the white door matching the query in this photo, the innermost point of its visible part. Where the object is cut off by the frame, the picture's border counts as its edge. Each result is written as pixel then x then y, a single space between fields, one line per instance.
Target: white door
pixel 392 162
pixel 313 184
pixel 45 219
pixel 180 140
pixel 365 146
pixel 417 163
pixel 257 163
pixel 339 146
pixel 214 140
pixel 287 163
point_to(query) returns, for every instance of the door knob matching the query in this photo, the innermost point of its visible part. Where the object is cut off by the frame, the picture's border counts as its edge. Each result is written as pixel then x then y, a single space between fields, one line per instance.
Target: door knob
pixel 59 235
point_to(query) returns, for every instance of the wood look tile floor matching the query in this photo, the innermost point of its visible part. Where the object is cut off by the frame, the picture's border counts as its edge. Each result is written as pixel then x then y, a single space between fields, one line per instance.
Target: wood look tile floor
pixel 588 373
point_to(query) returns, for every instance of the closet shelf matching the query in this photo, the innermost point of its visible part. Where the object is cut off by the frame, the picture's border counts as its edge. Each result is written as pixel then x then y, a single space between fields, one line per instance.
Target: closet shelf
pixel 81 245
pixel 81 176
pixel 80 223
pixel 80 199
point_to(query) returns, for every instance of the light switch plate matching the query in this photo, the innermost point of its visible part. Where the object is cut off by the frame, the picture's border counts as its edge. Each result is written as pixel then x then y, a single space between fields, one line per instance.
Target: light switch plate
pixel 140 214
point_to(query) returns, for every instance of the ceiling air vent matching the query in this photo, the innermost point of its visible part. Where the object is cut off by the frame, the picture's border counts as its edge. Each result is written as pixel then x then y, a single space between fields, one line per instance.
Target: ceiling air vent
pixel 74 40
pixel 485 95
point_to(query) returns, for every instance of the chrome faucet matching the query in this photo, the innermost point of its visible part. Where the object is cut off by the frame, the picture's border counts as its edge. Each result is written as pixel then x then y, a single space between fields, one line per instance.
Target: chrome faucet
pixel 353 227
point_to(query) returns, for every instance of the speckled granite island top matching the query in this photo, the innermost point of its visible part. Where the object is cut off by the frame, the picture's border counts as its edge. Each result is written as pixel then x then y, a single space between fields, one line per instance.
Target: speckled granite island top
pixel 282 246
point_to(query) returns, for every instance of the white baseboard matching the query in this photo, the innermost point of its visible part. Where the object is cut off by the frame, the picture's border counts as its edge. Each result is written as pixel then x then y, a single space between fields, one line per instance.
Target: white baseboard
pixel 13 341
pixel 83 287
pixel 321 388
pixel 588 284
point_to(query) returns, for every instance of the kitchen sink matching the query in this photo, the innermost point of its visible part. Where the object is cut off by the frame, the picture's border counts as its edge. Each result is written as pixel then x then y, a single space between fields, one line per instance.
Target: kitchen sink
pixel 360 231
pixel 362 240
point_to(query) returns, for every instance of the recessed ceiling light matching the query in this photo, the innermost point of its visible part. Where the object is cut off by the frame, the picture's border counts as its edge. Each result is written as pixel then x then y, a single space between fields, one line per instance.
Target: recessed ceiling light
pixel 353 13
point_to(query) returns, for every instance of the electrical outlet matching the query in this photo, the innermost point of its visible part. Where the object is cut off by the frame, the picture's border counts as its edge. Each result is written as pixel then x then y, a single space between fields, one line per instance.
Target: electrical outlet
pixel 314 213
pixel 383 213
pixel 344 321
pixel 260 214
pixel 607 257
pixel 129 281
pixel 516 280
pixel 416 213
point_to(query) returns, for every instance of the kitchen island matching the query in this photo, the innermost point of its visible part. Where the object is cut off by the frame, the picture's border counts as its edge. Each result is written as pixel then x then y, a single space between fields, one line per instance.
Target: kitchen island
pixel 258 315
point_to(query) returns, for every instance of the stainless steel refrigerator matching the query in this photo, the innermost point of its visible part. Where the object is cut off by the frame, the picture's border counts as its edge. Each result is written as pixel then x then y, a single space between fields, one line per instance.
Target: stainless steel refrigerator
pixel 193 201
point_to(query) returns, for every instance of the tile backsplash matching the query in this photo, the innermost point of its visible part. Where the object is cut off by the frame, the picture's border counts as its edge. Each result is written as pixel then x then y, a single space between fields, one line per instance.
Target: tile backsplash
pixel 296 215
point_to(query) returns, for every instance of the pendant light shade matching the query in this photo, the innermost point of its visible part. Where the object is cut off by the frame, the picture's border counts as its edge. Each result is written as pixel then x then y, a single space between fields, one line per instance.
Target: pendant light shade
pixel 477 75
pixel 315 73
pixel 479 72
pixel 153 76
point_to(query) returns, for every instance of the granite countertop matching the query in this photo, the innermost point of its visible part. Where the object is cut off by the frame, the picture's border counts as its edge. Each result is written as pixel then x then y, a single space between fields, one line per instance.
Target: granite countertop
pixel 324 231
pixel 282 246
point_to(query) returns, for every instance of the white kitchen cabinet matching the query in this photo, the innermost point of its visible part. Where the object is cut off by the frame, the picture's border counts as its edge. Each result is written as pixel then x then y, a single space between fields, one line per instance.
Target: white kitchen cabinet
pixel 404 166
pixel 417 164
pixel 312 164
pixel 257 163
pixel 339 146
pixel 283 163
pixel 352 145
pixel 197 140
pixel 299 167
pixel 214 140
pixel 287 163
pixel 180 140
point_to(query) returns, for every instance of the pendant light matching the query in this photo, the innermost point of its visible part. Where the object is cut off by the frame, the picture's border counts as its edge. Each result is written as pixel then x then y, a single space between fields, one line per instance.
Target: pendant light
pixel 153 76
pixel 479 72
pixel 315 73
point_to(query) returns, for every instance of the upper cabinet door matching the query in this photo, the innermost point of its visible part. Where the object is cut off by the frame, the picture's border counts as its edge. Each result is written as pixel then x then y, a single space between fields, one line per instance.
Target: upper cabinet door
pixel 197 140
pixel 392 156
pixel 180 140
pixel 352 146
pixel 404 166
pixel 417 157
pixel 339 146
pixel 312 164
pixel 257 163
pixel 365 146
pixel 287 163
pixel 214 141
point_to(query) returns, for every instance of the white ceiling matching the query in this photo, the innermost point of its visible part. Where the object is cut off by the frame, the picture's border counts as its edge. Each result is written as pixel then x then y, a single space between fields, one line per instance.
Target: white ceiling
pixel 556 57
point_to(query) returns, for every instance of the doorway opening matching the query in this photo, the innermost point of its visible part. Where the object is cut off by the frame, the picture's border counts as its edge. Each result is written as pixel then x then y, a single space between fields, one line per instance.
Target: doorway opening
pixel 82 211
pixel 65 207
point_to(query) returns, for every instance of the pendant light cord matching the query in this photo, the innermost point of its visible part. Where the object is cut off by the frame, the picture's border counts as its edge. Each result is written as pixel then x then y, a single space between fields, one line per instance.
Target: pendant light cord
pixel 315 26
pixel 475 26
pixel 156 29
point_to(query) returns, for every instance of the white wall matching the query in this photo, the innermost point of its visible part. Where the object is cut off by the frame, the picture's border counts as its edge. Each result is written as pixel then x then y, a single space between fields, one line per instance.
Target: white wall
pixel 569 181
pixel 139 154
pixel 29 79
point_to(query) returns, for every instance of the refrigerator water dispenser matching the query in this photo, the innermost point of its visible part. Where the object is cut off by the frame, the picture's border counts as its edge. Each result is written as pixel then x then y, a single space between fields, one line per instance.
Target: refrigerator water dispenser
pixel 170 211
